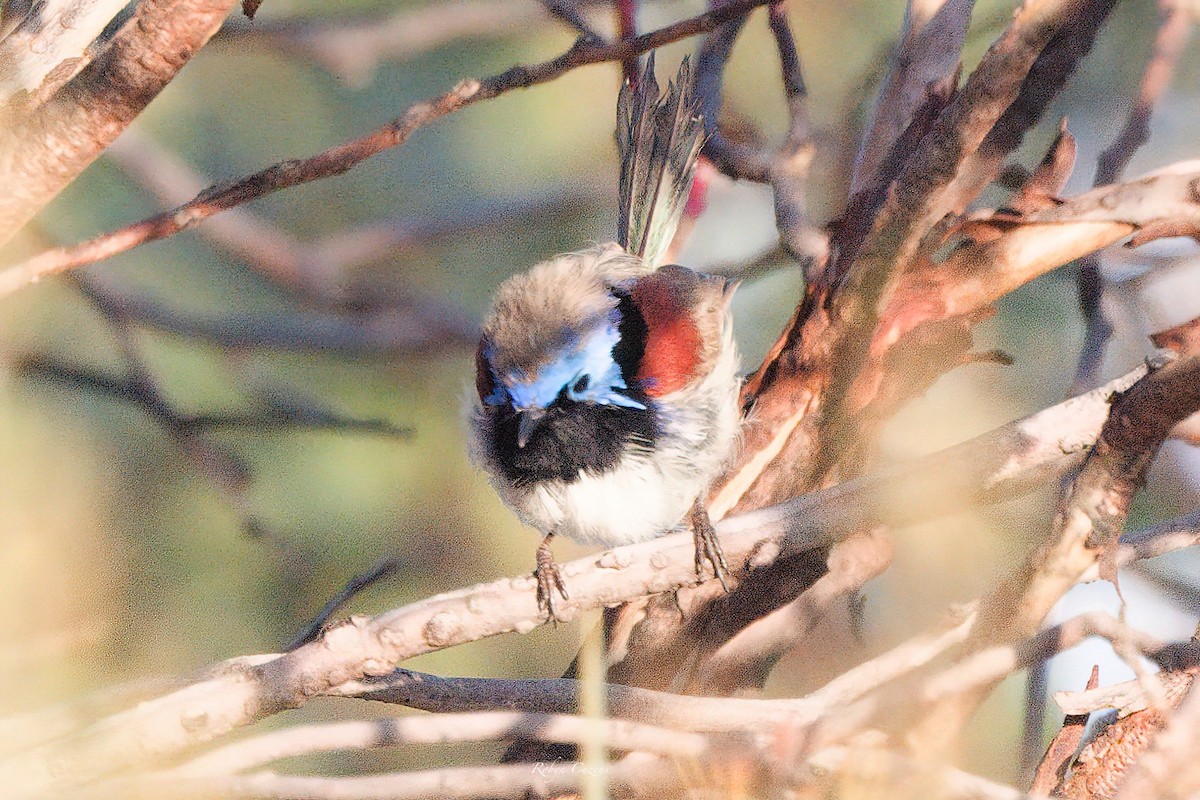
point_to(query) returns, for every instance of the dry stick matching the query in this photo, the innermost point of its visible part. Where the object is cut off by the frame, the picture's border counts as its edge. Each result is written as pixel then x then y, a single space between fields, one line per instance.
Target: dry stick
pixel 630 777
pixel 1053 765
pixel 1172 34
pixel 41 152
pixel 789 170
pixel 1049 74
pixel 1000 464
pixel 980 272
pixel 316 270
pixel 352 50
pixel 383 568
pixel 340 159
pixel 441 729
pixel 927 52
pixel 738 161
pixel 1087 530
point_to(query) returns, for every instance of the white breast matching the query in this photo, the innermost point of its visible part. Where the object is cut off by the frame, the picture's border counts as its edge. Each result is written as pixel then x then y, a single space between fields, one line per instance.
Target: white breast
pixel 649 493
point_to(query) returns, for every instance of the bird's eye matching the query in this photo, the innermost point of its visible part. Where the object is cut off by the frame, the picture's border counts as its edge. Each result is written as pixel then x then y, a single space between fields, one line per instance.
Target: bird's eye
pixel 581 384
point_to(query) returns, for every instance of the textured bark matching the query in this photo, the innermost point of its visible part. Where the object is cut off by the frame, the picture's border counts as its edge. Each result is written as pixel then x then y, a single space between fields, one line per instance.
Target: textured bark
pixel 41 152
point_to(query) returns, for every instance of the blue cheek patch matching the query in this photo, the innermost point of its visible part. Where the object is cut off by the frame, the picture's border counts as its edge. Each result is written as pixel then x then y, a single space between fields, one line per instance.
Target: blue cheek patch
pixel 593 361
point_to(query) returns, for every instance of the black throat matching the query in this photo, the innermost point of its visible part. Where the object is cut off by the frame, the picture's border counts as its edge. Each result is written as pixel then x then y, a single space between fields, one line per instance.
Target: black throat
pixel 576 438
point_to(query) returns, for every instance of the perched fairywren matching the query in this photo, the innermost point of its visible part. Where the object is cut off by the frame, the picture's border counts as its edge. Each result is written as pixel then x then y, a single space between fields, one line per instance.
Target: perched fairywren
pixel 608 385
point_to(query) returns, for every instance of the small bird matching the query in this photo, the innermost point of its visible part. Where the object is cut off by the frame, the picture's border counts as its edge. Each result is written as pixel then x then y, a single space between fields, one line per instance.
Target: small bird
pixel 607 385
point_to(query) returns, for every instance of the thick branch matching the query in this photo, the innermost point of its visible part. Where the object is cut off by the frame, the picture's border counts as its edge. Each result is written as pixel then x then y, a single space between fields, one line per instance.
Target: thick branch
pixel 996 465
pixel 1087 529
pixel 927 52
pixel 41 152
pixel 52 39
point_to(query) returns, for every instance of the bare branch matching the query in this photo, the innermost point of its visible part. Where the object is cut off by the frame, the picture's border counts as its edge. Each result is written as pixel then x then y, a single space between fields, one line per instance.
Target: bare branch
pixel 382 569
pixel 979 272
pixel 441 729
pixel 43 151
pixel 790 168
pixel 927 53
pixel 738 161
pixel 49 46
pixel 344 157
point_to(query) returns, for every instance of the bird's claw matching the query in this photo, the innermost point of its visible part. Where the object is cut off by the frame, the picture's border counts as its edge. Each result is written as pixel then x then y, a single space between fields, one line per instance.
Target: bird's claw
pixel 549 580
pixel 708 548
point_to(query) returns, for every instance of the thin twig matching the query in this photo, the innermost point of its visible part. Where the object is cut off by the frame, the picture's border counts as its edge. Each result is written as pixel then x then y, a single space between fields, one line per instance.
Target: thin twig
pixel 383 568
pixel 344 157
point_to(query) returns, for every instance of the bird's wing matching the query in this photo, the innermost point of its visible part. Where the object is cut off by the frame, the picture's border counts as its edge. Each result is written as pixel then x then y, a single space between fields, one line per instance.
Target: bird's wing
pixel 658 140
pixel 684 314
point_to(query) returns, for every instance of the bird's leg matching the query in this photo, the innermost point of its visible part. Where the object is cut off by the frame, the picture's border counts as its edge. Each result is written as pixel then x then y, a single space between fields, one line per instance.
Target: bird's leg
pixel 707 547
pixel 548 578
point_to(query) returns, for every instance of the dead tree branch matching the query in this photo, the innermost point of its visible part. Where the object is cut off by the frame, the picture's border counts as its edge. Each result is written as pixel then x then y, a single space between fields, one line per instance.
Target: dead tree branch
pixel 1009 460
pixel 1168 43
pixel 44 150
pixel 344 157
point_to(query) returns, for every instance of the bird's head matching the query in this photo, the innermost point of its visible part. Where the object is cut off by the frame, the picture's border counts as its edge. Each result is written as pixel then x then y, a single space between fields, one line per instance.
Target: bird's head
pixel 556 336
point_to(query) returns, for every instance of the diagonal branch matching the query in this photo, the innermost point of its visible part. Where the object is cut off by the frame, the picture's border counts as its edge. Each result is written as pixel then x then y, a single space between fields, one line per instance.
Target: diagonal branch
pixel 1087 528
pixel 1005 462
pixel 42 151
pixel 341 158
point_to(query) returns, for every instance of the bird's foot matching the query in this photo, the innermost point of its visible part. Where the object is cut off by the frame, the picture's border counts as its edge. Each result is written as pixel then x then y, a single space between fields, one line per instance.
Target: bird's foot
pixel 708 549
pixel 549 580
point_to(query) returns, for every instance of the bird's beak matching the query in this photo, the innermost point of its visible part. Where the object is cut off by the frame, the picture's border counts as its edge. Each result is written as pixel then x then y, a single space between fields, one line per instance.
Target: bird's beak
pixel 530 418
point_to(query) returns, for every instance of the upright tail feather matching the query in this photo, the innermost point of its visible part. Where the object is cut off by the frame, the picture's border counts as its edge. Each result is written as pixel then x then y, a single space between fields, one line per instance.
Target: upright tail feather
pixel 658 140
